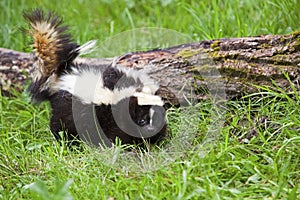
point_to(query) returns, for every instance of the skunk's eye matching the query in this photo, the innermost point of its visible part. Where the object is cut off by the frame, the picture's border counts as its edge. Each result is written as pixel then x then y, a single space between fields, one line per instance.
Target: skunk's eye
pixel 142 122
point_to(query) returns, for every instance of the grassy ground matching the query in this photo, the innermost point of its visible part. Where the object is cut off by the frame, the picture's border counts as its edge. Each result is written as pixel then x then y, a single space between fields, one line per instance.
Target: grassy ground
pixel 256 156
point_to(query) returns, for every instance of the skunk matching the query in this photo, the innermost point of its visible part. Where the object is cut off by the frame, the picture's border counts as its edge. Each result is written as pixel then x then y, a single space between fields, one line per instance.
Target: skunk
pixel 97 103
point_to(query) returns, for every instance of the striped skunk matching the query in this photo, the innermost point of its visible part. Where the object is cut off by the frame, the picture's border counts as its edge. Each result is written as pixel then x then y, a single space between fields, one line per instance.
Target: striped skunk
pixel 97 103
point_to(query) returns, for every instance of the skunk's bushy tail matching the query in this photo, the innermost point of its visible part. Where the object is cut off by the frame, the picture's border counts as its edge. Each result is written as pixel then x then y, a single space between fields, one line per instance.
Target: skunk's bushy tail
pixel 54 49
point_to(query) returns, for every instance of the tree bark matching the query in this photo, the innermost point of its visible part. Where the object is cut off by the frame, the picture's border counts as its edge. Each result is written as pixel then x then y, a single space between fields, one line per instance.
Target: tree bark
pixel 230 66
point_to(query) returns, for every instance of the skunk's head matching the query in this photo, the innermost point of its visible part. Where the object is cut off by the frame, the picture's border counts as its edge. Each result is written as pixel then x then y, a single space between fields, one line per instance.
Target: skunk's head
pixel 141 114
pixel 139 121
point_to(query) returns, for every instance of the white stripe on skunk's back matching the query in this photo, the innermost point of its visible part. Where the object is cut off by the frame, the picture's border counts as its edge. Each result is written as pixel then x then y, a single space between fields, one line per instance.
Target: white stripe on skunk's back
pixel 88 85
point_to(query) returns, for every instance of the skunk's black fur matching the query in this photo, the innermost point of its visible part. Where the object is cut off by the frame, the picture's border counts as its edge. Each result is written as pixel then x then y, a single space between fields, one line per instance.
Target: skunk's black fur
pixel 55 69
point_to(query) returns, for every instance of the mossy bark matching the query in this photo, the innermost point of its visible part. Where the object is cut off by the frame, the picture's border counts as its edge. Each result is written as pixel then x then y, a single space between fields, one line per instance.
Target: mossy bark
pixel 232 65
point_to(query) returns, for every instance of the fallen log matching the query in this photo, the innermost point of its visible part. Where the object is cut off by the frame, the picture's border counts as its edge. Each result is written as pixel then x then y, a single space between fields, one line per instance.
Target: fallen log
pixel 231 65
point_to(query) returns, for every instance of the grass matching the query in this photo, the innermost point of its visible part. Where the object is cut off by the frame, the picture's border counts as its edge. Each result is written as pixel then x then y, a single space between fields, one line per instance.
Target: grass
pixel 256 156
